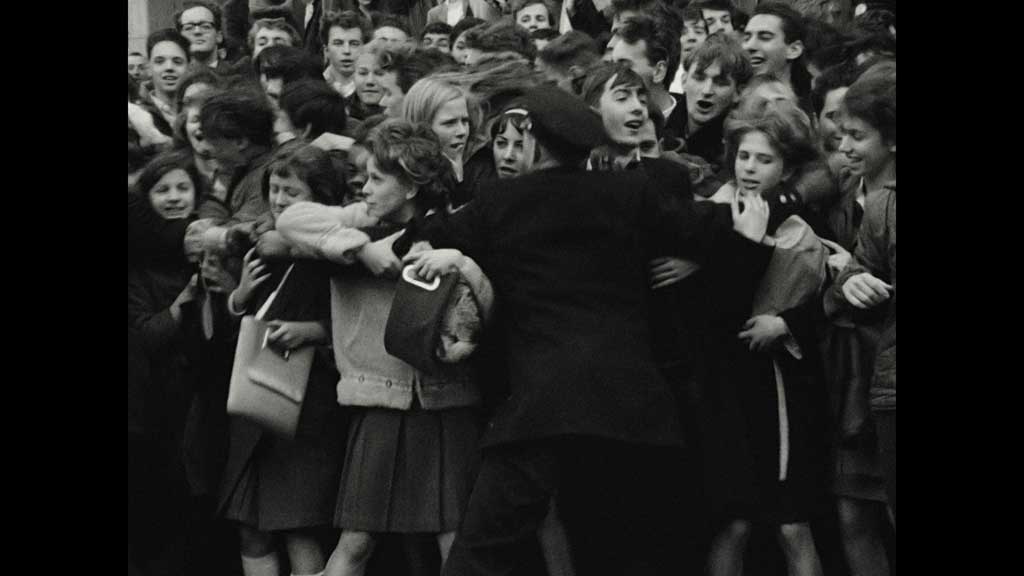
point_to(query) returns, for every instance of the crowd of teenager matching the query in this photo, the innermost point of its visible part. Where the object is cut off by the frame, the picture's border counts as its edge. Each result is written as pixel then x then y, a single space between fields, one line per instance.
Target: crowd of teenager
pixel 674 228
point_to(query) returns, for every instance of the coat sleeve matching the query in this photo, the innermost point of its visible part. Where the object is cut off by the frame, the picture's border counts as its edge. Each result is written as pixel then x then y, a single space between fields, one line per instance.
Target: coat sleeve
pixel 464 230
pixel 876 242
pixel 154 323
pixel 247 203
pixel 326 232
pixel 700 231
pixel 876 250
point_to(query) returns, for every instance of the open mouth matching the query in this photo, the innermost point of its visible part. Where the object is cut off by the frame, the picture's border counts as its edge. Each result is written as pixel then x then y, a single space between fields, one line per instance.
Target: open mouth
pixel 507 171
pixel 634 124
pixel 757 60
pixel 169 79
pixel 705 105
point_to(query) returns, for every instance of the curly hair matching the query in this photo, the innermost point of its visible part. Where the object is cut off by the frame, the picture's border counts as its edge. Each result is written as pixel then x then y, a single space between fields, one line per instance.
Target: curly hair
pixel 412 152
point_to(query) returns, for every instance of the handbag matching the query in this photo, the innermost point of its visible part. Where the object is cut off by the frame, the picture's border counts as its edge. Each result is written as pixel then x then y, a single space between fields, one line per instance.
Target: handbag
pixel 413 330
pixel 268 385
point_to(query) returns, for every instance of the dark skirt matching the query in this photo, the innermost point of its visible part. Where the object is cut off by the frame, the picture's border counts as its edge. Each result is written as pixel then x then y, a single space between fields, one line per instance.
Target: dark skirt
pixel 273 483
pixel 741 442
pixel 407 470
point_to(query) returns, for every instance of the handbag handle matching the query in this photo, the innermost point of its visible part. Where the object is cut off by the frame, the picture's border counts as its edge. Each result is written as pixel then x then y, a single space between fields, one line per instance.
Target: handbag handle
pixel 408 276
pixel 266 306
pixel 273 295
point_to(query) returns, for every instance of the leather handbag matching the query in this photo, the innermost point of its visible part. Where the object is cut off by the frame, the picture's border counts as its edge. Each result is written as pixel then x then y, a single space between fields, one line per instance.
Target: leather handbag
pixel 413 330
pixel 268 385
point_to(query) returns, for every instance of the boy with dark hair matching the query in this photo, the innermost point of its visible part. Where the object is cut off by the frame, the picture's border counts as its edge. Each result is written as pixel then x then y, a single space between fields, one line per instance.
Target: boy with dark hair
pixel 344 34
pixel 458 38
pixel 719 15
pixel 200 22
pixel 393 29
pixel 239 126
pixel 168 62
pixel 826 98
pixel 652 50
pixel 567 58
pixel 715 74
pixel 313 108
pixel 864 292
pixel 774 37
pixel 279 65
pixel 692 35
pixel 437 35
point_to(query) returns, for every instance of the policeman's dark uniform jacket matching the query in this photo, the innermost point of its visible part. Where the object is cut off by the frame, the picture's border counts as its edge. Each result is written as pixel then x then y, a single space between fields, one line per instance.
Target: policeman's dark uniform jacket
pixel 567 252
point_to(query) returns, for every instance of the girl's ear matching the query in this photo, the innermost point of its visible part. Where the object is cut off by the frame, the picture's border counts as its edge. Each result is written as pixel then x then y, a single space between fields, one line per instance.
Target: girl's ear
pixel 412 192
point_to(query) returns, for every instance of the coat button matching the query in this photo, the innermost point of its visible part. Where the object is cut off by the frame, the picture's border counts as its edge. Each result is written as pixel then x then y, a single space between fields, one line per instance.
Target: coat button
pixel 389 383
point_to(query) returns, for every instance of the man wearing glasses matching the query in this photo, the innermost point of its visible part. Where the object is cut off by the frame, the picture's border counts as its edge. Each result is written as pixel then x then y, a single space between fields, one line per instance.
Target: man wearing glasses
pixel 200 22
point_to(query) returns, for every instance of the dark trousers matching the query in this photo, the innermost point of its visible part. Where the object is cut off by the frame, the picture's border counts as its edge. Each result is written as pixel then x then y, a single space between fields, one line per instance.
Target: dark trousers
pixel 627 508
pixel 885 421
